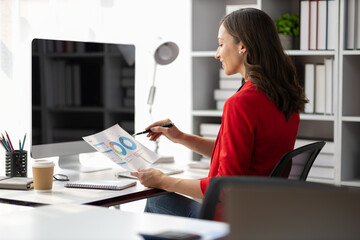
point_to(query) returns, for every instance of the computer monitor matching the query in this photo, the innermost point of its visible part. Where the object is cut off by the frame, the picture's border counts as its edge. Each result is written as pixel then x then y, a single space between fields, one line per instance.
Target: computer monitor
pixel 78 89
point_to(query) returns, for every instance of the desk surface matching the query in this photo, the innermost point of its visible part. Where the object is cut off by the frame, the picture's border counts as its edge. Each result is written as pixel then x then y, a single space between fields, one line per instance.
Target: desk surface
pixel 71 221
pixel 62 195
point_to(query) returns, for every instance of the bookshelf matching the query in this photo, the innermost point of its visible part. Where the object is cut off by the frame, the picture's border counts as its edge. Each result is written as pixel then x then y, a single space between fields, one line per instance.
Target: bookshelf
pixel 78 89
pixel 349 102
pixel 334 166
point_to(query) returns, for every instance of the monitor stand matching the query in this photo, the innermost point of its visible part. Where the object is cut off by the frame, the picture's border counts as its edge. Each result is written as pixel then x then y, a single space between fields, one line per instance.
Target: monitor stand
pixel 72 162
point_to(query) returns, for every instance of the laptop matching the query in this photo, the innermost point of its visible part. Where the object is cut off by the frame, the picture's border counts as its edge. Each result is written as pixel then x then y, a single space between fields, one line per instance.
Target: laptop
pixel 292 212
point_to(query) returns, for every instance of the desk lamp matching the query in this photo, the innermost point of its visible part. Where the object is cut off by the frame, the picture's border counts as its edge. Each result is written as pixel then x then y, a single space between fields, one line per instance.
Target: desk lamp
pixel 165 53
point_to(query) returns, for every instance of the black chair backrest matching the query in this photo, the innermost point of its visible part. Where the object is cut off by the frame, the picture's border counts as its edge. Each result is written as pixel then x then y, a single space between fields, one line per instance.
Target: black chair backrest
pixel 293 165
pixel 217 184
pixel 297 163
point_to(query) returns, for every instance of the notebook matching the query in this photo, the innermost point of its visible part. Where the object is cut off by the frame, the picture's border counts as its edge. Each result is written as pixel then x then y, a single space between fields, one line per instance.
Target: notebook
pixel 17 183
pixel 101 184
pixel 165 169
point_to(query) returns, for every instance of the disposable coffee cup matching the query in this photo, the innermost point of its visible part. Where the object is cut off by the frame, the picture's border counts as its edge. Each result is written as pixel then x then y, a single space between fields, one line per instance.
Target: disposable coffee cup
pixel 43 171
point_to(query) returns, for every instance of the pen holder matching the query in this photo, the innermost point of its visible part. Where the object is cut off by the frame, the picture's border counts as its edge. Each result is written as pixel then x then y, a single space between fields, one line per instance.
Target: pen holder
pixel 16 164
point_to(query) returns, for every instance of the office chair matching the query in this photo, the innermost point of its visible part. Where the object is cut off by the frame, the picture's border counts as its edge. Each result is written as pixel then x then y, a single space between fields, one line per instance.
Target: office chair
pixel 296 164
pixel 293 165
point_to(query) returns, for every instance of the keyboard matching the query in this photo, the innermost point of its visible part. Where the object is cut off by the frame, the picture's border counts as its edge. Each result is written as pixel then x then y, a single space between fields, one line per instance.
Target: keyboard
pixel 165 169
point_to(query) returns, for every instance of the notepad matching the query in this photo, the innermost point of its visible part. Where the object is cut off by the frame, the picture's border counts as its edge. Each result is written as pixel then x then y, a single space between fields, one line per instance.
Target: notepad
pixel 17 183
pixel 101 184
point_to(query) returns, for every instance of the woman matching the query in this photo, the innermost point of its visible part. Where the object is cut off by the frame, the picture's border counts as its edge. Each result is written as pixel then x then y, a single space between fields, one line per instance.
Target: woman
pixel 259 122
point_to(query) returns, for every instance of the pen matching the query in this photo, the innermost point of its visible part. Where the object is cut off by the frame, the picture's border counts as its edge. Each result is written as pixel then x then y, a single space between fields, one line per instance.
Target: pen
pixel 167 125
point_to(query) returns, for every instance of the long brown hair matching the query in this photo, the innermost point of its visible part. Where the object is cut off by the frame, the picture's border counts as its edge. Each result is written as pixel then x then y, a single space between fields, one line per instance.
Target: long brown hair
pixel 266 64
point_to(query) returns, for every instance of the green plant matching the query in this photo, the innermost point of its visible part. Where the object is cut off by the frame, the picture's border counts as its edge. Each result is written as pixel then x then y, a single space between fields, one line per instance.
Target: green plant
pixel 288 24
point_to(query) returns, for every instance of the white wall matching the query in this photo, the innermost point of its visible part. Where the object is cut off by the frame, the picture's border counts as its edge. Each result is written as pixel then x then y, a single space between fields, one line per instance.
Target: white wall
pixel 117 21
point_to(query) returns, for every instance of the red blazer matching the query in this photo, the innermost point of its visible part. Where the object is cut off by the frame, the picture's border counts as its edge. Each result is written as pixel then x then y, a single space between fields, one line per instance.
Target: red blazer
pixel 253 136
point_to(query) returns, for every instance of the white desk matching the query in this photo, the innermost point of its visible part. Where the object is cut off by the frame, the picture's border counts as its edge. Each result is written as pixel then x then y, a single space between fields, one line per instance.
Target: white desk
pixel 62 195
pixel 72 221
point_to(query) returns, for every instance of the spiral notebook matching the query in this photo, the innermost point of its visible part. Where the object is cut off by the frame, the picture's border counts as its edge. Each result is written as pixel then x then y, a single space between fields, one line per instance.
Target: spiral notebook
pixel 101 184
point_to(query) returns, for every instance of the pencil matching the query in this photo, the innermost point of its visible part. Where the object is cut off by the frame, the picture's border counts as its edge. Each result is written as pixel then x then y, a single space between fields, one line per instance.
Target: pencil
pixel 9 141
pixel 22 147
pixel 6 143
pixel 3 144
pixel 20 150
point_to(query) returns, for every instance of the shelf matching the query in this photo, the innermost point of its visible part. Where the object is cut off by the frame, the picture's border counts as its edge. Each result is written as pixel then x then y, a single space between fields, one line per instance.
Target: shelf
pixel 354 183
pixel 319 180
pixel 288 52
pixel 218 113
pixel 310 53
pixel 120 110
pixel 350 119
pixel 203 54
pixel 351 52
pixel 76 55
pixel 76 109
pixel 207 113
pixel 317 117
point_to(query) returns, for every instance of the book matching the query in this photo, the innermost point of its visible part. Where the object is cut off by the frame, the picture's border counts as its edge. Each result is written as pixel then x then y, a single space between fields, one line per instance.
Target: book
pixel 350 24
pixel 220 104
pixel 222 75
pixel 328 148
pixel 321 28
pixel 101 184
pixel 304 25
pixel 331 22
pixel 230 84
pixel 324 160
pixel 17 183
pixel 233 7
pixel 313 19
pixel 329 82
pixel 77 84
pixel 320 88
pixel 309 87
pixel 357 25
pixel 211 129
pixel 223 94
pixel 322 172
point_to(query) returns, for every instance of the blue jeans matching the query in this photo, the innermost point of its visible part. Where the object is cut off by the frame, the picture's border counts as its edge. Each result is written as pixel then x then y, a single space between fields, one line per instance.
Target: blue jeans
pixel 173 204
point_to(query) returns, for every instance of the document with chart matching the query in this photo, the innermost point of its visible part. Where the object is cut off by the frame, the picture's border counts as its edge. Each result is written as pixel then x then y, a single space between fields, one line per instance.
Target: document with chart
pixel 122 148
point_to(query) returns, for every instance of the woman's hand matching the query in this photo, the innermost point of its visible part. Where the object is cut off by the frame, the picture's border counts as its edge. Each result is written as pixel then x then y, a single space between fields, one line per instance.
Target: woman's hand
pixel 157 179
pixel 172 133
pixel 150 177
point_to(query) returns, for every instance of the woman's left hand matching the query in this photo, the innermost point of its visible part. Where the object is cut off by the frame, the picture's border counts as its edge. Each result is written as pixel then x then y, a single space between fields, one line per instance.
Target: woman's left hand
pixel 150 177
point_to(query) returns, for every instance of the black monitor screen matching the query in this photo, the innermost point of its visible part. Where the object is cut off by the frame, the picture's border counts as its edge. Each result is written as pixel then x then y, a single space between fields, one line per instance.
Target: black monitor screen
pixel 80 88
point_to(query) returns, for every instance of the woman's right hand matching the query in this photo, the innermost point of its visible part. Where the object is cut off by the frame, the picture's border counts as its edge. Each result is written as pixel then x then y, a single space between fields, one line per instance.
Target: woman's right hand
pixel 172 133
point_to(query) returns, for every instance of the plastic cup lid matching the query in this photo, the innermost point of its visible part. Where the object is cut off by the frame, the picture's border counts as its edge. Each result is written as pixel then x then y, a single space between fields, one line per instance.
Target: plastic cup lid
pixel 42 163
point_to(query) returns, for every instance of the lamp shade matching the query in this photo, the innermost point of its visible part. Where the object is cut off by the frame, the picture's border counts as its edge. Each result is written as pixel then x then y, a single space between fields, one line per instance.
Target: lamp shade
pixel 166 53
